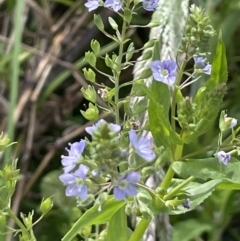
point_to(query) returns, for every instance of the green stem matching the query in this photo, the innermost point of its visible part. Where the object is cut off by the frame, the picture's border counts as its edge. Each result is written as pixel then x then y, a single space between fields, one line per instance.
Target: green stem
pixel 177 188
pixel 15 73
pixel 17 221
pixel 174 97
pixel 139 230
pixel 170 173
pixel 119 68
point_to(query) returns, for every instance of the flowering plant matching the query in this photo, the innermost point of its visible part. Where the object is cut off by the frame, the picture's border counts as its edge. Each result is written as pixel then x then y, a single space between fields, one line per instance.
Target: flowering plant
pixel 110 173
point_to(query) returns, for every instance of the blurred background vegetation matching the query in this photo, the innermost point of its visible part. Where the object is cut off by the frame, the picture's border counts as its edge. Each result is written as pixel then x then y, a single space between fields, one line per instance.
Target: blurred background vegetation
pixel 43 95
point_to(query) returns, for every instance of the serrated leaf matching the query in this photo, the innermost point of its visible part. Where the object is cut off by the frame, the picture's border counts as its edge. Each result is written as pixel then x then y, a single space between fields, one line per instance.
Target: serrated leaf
pixel 196 193
pixel 210 168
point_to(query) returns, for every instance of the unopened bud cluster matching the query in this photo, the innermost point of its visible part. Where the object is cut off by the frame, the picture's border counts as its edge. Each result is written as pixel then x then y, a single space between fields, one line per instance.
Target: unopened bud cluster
pixel 198 32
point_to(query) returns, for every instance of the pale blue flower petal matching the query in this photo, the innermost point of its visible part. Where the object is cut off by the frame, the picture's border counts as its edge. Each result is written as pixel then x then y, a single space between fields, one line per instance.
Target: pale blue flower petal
pixel 223 157
pixel 142 146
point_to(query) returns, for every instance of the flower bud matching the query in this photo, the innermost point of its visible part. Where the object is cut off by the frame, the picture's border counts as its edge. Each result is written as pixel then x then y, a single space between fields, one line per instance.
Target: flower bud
pixel 86 231
pixel 46 205
pixel 226 122
pixel 109 62
pixel 95 46
pixel 98 22
pixel 146 73
pixel 89 93
pixel 91 113
pixel 27 220
pixel 4 141
pixel 91 58
pixel 130 50
pixel 127 15
pixel 89 75
pixel 113 23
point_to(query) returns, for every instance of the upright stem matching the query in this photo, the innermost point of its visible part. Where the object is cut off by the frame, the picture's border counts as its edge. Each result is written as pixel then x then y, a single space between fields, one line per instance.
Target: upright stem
pixel 170 173
pixel 15 73
pixel 119 68
pixel 139 230
pixel 174 98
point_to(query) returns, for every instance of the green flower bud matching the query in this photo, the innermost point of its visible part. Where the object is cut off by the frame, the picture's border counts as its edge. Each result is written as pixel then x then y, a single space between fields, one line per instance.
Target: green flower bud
pixel 90 93
pixel 91 113
pixel 129 53
pixel 150 43
pixel 146 73
pixel 46 205
pixel 27 220
pixel 109 62
pixel 113 23
pixel 226 122
pixel 95 46
pixel 89 75
pixel 98 22
pixel 91 58
pixel 127 15
pixel 147 55
pixel 4 141
pixel 86 231
pixel 90 199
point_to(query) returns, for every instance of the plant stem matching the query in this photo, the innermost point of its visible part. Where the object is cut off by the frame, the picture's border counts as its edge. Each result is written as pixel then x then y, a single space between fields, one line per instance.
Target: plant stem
pixel 174 98
pixel 170 173
pixel 17 221
pixel 177 188
pixel 119 68
pixel 140 230
pixel 15 73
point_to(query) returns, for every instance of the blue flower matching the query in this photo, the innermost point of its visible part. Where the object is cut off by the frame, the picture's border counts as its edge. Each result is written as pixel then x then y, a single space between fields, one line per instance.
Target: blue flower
pixel 116 5
pixel 74 154
pixel 112 127
pixel 223 157
pixel 126 186
pixel 150 5
pixel 75 182
pixel 92 4
pixel 202 65
pixel 142 146
pixel 164 71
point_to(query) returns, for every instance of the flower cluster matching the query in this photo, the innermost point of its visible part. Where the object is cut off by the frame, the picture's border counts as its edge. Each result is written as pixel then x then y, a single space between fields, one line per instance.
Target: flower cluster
pixel 116 5
pixel 105 153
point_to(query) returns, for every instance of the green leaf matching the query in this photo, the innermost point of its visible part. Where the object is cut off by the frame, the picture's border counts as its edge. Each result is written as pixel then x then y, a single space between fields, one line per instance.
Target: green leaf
pixel 158 118
pixel 94 216
pixel 210 168
pixel 189 229
pixel 219 66
pixel 118 225
pixel 196 193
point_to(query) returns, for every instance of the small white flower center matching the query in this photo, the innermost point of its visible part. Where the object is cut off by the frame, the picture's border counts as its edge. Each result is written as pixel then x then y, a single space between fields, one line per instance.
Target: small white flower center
pixel 164 72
